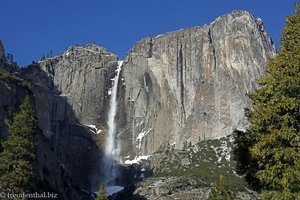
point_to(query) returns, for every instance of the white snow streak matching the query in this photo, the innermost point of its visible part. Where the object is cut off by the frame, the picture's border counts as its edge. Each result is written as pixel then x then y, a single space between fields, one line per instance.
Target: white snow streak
pixel 93 128
pixel 136 160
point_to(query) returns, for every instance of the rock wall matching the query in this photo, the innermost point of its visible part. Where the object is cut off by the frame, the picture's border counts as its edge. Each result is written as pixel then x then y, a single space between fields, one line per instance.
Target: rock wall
pixel 71 94
pixel 13 92
pixel 191 85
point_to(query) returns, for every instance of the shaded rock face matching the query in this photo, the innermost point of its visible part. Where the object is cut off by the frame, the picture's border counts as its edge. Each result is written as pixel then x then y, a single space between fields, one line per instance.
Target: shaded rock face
pixel 191 84
pixel 71 94
pixel 13 93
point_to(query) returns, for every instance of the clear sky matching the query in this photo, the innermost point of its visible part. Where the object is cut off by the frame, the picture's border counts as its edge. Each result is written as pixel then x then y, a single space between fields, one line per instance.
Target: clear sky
pixel 31 28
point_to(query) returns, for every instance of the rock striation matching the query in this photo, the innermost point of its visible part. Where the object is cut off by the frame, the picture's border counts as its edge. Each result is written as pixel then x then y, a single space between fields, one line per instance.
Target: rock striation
pixel 191 85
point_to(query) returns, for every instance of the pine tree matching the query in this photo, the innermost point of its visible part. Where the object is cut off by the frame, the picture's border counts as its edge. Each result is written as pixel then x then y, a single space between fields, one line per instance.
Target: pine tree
pixel 221 191
pixel 102 193
pixel 16 169
pixel 245 163
pixel 273 137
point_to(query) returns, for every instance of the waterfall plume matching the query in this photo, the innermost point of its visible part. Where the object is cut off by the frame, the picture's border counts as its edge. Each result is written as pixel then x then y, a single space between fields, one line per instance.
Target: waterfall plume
pixel 111 152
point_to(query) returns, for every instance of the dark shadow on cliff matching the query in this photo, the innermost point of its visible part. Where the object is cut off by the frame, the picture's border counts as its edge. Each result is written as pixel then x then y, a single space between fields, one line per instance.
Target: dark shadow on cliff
pixel 128 194
pixel 13 91
pixel 131 174
pixel 68 156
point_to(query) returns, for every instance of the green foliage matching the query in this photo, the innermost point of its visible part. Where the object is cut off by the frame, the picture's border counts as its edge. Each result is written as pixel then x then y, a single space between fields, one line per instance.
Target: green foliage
pixel 102 193
pixel 16 170
pixel 221 191
pixel 208 160
pixel 273 138
pixel 8 76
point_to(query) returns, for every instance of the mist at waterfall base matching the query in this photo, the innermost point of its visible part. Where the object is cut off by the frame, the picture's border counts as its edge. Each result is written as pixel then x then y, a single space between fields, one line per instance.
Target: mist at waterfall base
pixel 111 158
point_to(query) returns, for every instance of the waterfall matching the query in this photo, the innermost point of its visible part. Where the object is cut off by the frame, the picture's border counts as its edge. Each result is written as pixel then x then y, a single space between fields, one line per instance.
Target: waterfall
pixel 111 152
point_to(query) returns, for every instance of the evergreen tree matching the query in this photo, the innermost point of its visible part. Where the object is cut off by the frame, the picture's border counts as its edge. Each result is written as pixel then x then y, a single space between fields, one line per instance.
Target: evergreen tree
pixel 102 193
pixel 246 164
pixel 16 169
pixel 221 191
pixel 273 137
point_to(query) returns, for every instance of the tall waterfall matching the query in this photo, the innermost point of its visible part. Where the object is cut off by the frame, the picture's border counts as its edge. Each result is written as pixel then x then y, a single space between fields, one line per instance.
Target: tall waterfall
pixel 111 152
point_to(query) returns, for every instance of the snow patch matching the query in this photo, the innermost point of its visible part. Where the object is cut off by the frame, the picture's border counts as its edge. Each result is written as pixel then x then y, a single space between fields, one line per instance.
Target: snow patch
pixel 109 91
pixel 143 134
pixel 136 160
pixel 195 148
pixel 93 128
pixel 222 151
pixel 140 136
pixel 140 123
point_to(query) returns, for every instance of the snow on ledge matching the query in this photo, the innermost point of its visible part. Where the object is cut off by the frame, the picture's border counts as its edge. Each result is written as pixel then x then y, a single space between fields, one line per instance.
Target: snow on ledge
pixel 93 128
pixel 136 160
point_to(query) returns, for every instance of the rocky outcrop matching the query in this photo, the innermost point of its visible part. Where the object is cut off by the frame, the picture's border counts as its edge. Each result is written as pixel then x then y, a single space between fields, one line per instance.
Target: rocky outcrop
pixel 71 95
pixel 191 85
pixel 175 188
pixel 187 173
pixel 6 61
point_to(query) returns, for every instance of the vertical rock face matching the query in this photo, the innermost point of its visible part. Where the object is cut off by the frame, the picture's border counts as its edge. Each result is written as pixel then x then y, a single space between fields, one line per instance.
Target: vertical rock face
pixel 191 84
pixel 13 92
pixel 71 94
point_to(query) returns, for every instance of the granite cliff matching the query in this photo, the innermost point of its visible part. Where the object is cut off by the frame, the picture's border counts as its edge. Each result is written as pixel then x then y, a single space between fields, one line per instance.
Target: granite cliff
pixel 191 85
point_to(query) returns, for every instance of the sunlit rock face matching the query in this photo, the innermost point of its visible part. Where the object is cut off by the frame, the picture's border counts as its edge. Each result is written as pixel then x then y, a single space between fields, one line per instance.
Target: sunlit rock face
pixel 191 84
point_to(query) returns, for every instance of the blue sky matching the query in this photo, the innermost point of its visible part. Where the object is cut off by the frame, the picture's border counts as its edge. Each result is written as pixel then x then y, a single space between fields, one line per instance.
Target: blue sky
pixel 31 28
